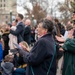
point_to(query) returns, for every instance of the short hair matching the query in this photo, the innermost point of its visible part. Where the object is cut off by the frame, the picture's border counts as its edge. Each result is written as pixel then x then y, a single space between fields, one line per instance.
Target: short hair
pixel 20 15
pixel 8 58
pixel 25 44
pixel 47 24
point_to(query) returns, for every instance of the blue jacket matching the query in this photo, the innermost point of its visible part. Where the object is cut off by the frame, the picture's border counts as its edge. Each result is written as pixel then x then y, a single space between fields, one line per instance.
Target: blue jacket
pixel 40 57
pixel 1 52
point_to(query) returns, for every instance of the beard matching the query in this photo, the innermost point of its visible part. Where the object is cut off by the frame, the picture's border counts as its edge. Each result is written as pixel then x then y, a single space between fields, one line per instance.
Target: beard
pixel 16 20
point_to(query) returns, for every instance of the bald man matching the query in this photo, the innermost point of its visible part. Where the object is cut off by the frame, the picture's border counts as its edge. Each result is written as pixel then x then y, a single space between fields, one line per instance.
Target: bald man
pixel 27 31
pixel 28 22
pixel 49 17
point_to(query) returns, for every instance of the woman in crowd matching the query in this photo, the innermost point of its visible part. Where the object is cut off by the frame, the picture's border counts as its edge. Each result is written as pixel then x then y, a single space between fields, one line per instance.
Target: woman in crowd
pixel 69 53
pixel 41 60
pixel 6 39
pixel 12 38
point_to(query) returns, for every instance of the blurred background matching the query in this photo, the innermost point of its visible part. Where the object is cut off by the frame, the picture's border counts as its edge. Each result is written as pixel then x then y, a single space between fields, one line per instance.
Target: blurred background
pixel 36 9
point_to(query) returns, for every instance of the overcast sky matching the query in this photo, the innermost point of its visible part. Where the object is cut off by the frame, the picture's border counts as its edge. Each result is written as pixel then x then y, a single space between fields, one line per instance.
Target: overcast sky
pixel 21 10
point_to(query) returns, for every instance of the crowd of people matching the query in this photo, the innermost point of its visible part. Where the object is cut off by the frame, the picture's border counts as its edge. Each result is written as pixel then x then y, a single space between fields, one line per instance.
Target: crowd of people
pixel 50 41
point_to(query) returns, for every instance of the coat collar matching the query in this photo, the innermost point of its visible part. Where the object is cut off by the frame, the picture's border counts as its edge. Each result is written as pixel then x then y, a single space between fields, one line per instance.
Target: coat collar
pixel 48 34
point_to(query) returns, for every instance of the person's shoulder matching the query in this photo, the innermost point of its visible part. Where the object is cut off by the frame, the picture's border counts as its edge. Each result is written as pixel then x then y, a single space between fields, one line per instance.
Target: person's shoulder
pixel 69 42
pixel 41 40
pixel 9 63
pixel 28 27
pixel 2 64
pixel 39 43
pixel 21 24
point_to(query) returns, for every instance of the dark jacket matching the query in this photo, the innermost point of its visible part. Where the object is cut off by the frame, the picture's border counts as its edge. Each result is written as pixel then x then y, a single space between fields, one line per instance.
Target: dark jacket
pixel 69 57
pixel 27 34
pixel 6 41
pixel 61 28
pixel 40 57
pixel 18 32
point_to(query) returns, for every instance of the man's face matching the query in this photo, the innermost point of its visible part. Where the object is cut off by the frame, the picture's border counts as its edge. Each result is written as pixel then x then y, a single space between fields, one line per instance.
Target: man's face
pixel 73 17
pixel 41 30
pixel 17 17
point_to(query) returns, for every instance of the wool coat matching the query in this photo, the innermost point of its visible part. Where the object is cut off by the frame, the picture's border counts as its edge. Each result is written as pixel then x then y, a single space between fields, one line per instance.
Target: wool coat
pixel 69 57
pixel 39 58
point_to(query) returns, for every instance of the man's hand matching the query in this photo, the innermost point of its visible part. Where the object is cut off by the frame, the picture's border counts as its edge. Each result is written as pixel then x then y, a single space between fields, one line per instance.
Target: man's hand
pixel 61 49
pixel 23 47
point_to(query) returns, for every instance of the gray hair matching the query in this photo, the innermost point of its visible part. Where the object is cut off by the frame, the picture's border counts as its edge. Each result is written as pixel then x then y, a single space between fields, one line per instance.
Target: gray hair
pixel 47 24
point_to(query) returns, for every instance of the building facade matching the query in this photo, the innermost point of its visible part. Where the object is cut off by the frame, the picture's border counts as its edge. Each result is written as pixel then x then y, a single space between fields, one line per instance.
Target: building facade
pixel 8 10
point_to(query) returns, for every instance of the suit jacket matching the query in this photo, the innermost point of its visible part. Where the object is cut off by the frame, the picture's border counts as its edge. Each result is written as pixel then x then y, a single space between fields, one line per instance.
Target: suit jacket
pixel 40 57
pixel 18 32
pixel 27 34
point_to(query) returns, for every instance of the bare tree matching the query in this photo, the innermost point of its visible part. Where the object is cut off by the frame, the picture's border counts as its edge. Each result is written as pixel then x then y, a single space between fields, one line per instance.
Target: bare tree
pixel 65 10
pixel 39 10
pixel 73 5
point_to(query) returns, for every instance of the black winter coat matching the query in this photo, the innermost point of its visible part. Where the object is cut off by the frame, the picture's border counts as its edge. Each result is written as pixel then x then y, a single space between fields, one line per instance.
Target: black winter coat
pixel 27 34
pixel 40 57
